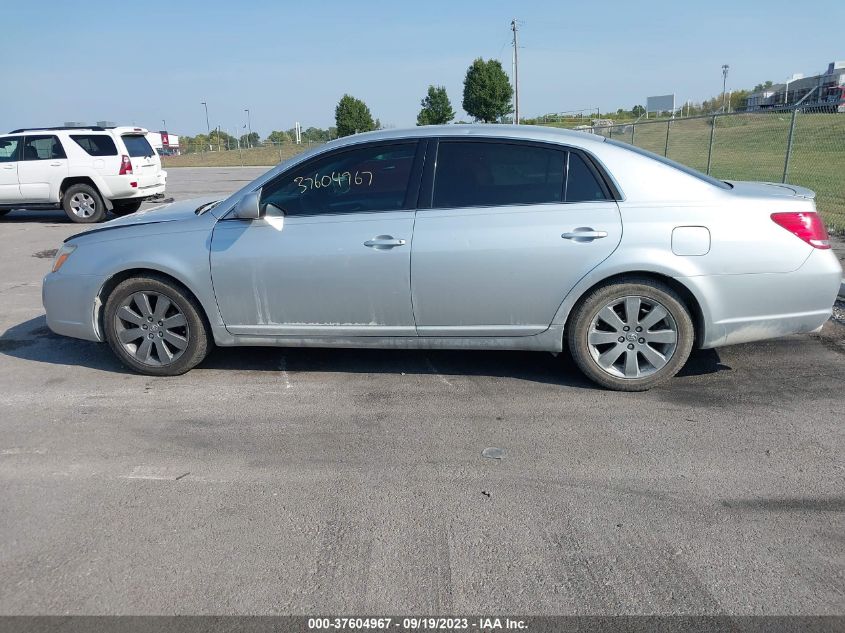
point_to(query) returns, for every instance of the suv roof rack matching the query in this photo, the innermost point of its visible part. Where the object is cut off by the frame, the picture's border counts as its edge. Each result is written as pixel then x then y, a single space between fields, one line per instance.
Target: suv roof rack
pixel 93 128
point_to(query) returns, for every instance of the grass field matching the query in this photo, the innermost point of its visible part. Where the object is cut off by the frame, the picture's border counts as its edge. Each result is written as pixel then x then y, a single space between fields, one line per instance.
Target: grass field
pixel 256 157
pixel 745 147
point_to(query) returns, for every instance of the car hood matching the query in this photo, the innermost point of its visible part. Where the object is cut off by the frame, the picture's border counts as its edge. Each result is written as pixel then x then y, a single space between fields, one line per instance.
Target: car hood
pixel 182 211
pixel 170 212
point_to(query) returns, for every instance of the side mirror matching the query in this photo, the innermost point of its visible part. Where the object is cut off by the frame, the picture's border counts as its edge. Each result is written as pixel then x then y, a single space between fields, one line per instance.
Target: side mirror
pixel 248 207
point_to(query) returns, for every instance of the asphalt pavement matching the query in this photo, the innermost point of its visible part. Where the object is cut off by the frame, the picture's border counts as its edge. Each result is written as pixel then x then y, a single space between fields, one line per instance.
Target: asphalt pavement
pixel 271 481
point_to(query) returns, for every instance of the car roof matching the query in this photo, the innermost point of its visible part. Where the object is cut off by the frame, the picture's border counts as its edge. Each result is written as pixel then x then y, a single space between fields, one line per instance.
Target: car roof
pixel 480 130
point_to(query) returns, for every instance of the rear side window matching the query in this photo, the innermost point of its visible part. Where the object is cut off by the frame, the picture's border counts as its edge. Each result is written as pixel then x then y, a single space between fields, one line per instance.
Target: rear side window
pixel 95 144
pixel 364 180
pixel 137 145
pixel 9 149
pixel 45 147
pixel 481 174
pixel 582 185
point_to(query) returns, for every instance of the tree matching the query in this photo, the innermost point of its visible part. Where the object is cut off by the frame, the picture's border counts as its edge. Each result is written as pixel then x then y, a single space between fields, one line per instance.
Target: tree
pixel 638 110
pixel 487 91
pixel 352 116
pixel 762 87
pixel 277 137
pixel 250 140
pixel 436 107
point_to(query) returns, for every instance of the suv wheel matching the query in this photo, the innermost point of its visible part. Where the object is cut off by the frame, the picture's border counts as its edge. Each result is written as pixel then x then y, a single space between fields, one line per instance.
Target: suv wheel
pixel 125 207
pixel 155 327
pixel 631 336
pixel 83 204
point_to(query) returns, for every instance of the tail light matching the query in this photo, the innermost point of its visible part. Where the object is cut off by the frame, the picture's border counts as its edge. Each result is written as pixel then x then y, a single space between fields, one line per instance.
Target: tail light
pixel 125 166
pixel 808 226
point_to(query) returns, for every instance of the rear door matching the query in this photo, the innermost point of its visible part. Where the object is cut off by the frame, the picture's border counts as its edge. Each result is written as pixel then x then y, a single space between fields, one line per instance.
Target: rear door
pixel 146 164
pixel 512 226
pixel 42 169
pixel 10 190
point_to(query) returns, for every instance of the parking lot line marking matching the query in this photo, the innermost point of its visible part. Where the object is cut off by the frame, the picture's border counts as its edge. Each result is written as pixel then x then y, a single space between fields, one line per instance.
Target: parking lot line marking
pixel 434 370
pixel 283 367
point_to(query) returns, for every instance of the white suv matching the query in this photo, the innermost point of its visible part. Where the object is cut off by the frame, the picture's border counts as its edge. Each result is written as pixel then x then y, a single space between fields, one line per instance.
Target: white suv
pixel 85 171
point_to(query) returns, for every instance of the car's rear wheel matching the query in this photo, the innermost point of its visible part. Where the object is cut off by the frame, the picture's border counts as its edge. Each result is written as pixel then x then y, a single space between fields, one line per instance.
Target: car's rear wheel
pixel 125 207
pixel 631 335
pixel 83 204
pixel 155 326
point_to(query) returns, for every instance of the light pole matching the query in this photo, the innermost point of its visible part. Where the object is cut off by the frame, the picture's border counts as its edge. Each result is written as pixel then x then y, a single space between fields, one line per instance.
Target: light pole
pixel 164 125
pixel 725 69
pixel 515 28
pixel 207 126
pixel 786 93
pixel 249 128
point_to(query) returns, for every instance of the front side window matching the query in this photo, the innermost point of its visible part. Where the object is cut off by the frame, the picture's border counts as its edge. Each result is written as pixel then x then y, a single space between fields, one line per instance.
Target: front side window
pixel 137 145
pixel 45 147
pixel 480 174
pixel 95 144
pixel 9 149
pixel 373 178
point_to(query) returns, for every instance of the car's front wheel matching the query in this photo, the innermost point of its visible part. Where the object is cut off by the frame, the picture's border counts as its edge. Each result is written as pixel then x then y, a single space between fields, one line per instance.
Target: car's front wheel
pixel 83 204
pixel 125 207
pixel 631 335
pixel 155 326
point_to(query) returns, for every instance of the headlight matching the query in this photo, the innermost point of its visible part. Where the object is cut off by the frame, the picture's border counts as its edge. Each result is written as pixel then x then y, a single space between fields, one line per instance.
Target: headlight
pixel 61 256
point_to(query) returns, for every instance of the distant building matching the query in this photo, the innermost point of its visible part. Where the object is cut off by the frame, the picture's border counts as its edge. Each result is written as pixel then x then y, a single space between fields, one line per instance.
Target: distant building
pixel 164 143
pixel 826 89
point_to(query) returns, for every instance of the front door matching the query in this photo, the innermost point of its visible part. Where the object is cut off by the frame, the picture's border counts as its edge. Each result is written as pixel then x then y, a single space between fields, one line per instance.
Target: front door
pixel 10 190
pixel 511 229
pixel 42 168
pixel 332 255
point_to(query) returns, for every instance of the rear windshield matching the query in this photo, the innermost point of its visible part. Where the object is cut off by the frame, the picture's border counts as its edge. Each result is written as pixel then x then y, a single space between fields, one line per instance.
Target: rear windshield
pixel 137 145
pixel 96 144
pixel 671 163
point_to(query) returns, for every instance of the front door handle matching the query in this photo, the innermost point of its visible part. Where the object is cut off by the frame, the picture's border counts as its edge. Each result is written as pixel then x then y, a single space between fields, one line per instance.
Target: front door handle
pixel 9 167
pixel 55 164
pixel 584 234
pixel 384 242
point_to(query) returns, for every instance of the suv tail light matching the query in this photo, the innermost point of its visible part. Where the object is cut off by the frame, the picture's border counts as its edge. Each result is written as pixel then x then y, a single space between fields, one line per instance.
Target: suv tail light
pixel 807 225
pixel 125 166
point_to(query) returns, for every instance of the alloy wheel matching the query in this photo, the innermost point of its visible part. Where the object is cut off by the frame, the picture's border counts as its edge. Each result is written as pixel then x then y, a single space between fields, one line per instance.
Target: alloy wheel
pixel 151 328
pixel 632 337
pixel 83 205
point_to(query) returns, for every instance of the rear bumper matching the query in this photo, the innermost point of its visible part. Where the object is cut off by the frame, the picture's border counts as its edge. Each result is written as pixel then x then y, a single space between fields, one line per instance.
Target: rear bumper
pixel 70 302
pixel 745 308
pixel 119 187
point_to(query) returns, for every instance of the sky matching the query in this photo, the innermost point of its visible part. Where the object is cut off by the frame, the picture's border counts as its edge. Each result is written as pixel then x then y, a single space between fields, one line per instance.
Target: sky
pixel 149 61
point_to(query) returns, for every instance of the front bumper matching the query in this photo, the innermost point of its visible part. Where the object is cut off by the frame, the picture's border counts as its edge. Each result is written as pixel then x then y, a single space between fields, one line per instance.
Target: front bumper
pixel 71 303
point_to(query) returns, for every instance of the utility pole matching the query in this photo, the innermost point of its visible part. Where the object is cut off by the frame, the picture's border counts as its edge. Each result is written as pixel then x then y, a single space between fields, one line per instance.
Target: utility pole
pixel 207 126
pixel 249 127
pixel 725 69
pixel 164 123
pixel 515 28
pixel 218 138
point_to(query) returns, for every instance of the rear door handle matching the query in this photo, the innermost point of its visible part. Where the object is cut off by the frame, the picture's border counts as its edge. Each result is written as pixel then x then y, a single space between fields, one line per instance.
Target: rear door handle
pixel 9 167
pixel 584 234
pixel 384 242
pixel 55 164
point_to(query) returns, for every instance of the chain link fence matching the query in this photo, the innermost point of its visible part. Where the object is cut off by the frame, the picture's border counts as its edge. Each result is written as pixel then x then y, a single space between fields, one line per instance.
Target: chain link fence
pixel 231 154
pixel 804 146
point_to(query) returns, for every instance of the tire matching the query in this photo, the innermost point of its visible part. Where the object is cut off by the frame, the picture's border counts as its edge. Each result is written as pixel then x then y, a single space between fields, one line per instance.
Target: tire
pixel 83 204
pixel 4 212
pixel 125 207
pixel 172 350
pixel 642 358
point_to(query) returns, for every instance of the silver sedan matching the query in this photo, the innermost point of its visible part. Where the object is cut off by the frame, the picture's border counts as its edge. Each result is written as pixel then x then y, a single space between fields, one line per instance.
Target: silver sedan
pixel 470 237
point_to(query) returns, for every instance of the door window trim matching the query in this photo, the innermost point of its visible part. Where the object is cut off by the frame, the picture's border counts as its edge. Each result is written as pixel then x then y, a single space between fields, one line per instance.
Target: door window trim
pixel 411 192
pixel 607 184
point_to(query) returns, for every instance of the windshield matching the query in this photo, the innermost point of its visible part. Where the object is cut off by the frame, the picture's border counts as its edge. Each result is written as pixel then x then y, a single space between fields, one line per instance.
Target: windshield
pixel 671 163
